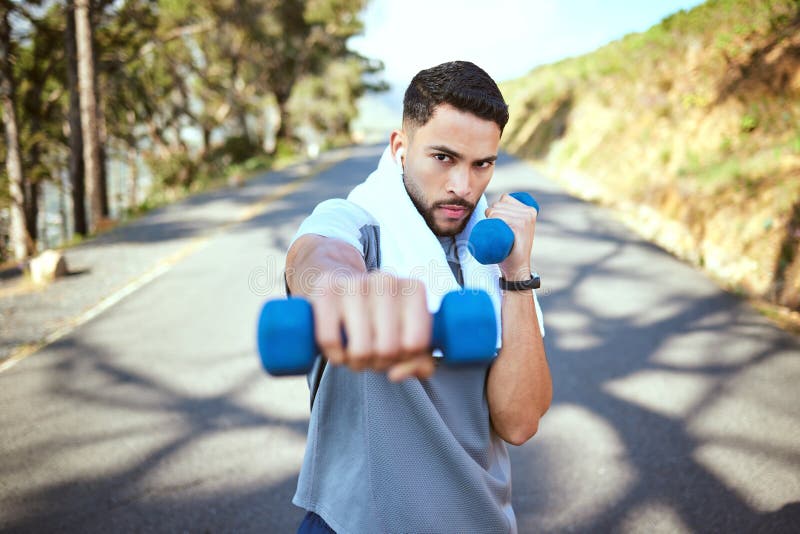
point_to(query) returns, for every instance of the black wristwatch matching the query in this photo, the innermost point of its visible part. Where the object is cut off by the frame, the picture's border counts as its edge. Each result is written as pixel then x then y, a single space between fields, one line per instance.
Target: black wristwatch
pixel 534 283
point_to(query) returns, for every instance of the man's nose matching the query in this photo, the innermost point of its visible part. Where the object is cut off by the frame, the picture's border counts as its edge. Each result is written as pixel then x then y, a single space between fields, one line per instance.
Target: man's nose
pixel 458 182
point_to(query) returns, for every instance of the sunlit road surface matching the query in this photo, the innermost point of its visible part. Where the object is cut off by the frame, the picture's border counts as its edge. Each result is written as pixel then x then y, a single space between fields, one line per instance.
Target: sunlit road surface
pixel 676 406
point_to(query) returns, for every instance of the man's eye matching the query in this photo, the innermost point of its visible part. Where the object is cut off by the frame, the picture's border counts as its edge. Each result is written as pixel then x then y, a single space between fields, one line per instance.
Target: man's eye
pixel 484 164
pixel 442 157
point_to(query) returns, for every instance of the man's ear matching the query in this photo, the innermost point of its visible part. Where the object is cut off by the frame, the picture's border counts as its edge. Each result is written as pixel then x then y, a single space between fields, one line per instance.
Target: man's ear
pixel 397 142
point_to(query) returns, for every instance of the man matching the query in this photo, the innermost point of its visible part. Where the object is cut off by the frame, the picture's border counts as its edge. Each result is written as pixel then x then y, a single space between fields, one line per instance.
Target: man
pixel 397 443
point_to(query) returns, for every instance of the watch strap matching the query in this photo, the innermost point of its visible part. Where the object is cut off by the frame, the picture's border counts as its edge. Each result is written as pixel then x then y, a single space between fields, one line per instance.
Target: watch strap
pixel 523 285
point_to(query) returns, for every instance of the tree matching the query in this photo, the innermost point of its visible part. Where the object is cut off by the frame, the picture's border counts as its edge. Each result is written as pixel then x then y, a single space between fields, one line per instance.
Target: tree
pixel 257 50
pixel 88 105
pixel 96 9
pixel 125 38
pixel 22 243
pixel 76 168
pixel 309 43
pixel 40 87
pixel 326 103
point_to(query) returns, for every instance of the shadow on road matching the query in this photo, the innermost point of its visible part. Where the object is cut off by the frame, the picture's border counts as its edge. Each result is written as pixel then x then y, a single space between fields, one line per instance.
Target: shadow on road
pixel 334 182
pixel 201 212
pixel 126 478
pixel 660 386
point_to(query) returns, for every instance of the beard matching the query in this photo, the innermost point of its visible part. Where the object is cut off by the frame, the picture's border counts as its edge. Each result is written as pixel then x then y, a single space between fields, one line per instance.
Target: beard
pixel 427 209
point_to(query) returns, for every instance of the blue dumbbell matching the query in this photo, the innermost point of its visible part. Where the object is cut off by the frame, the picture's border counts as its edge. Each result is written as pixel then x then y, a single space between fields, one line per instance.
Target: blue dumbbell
pixel 491 239
pixel 464 329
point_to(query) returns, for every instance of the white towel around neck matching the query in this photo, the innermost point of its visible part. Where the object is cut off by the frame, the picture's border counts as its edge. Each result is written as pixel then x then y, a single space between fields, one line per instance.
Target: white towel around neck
pixel 409 248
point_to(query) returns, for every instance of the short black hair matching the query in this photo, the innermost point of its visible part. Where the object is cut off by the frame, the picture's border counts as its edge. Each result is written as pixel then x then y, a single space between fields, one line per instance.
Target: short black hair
pixel 463 85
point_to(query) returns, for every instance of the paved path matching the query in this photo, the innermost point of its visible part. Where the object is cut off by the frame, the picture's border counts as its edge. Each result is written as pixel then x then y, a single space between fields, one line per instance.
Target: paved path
pixel 129 256
pixel 676 406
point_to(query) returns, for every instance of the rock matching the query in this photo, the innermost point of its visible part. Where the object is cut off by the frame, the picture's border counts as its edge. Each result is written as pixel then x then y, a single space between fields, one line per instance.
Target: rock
pixel 48 266
pixel 236 180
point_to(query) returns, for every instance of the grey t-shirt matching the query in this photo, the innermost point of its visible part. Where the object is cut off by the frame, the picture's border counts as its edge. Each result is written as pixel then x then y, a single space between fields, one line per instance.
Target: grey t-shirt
pixel 416 456
pixel 451 253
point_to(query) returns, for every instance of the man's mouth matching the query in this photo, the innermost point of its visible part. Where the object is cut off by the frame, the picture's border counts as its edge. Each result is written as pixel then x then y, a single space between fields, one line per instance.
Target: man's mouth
pixel 453 211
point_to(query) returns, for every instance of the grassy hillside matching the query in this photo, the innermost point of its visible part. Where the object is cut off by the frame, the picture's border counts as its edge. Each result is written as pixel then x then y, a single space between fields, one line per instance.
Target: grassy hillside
pixel 692 130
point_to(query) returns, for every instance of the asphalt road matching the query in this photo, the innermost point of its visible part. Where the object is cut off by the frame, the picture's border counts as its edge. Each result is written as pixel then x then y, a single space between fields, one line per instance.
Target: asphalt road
pixel 676 405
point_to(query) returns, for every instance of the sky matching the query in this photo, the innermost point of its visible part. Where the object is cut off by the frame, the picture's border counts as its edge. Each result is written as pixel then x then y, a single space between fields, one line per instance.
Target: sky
pixel 507 38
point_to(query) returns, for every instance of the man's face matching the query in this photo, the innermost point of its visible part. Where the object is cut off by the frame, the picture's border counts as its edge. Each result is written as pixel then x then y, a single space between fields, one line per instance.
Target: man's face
pixel 447 165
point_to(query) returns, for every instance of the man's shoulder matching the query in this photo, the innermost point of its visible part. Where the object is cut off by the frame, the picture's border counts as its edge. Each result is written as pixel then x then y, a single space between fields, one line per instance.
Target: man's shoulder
pixel 342 208
pixel 345 220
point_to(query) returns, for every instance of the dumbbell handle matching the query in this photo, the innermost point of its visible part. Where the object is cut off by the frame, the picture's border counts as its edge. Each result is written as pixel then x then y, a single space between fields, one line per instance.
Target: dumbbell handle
pixel 491 240
pixel 464 329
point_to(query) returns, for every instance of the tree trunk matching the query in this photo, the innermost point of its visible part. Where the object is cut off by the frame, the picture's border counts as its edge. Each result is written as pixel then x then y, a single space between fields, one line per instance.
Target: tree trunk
pixel 75 136
pixel 102 139
pixel 31 195
pixel 91 142
pixel 95 14
pixel 206 141
pixel 62 208
pixel 242 117
pixel 133 164
pixel 133 179
pixel 21 242
pixel 31 189
pixel 102 136
pixel 285 133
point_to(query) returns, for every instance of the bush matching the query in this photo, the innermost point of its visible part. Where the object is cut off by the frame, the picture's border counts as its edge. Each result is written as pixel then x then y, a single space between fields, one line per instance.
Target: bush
pixel 236 150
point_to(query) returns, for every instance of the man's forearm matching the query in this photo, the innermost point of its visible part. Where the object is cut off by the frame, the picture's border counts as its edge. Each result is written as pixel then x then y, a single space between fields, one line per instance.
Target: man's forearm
pixel 519 387
pixel 313 259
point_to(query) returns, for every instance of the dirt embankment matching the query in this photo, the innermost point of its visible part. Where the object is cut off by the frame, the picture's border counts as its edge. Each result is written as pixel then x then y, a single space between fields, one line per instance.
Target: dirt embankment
pixel 691 130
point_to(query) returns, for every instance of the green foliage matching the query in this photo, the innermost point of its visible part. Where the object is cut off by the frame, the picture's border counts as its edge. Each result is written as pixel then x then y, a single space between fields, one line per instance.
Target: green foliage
pixel 337 17
pixel 728 25
pixel 726 146
pixel 40 96
pixel 176 169
pixel 327 103
pixel 258 163
pixel 234 149
pixel 748 123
